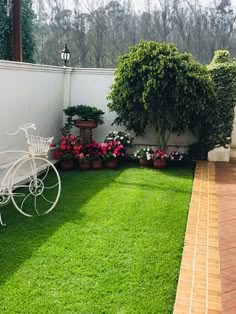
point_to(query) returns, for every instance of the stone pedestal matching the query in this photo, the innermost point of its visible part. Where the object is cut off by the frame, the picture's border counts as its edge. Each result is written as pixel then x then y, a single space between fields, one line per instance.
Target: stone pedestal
pixel 219 154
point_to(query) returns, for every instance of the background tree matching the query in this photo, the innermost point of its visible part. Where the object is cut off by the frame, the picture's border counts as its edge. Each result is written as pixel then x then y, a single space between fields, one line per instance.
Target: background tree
pixel 5 32
pixel 6 44
pixel 157 85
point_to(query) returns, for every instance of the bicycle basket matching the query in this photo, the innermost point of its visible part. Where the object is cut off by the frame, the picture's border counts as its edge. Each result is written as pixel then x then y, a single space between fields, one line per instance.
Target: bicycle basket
pixel 40 145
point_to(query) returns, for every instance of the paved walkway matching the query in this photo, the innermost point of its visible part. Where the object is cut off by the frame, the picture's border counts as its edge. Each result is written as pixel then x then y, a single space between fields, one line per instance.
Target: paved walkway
pixel 207 281
pixel 226 198
pixel 199 287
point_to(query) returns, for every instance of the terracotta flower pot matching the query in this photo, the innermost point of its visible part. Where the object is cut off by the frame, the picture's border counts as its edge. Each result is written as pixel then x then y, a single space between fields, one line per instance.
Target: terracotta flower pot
pixel 144 162
pixel 86 124
pixel 96 164
pixel 159 163
pixel 84 165
pixel 67 164
pixel 112 164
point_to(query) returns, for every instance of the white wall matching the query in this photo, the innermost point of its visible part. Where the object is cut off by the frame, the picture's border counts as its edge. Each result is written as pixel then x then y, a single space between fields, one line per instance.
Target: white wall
pixel 91 87
pixel 38 93
pixel 29 93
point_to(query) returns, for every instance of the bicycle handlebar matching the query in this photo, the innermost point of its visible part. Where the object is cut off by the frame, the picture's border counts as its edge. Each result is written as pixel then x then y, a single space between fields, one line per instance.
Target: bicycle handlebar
pixel 24 127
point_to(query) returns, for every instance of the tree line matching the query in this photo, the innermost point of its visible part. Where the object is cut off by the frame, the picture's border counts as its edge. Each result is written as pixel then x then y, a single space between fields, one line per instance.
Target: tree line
pixel 99 33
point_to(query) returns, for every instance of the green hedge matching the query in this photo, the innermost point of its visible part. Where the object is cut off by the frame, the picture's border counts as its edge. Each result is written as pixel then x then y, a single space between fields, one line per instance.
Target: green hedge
pixel 217 120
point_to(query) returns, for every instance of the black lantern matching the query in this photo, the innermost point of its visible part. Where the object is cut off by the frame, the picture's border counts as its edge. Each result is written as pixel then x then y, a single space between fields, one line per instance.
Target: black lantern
pixel 65 55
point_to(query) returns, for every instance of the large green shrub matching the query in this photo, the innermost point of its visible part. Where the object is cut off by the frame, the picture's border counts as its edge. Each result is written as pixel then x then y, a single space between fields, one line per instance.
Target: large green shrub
pixel 217 121
pixel 156 84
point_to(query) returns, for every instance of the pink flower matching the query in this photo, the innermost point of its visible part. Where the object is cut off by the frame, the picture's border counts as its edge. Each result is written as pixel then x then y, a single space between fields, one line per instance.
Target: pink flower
pixel 56 155
pixel 72 143
pixel 71 137
pixel 62 147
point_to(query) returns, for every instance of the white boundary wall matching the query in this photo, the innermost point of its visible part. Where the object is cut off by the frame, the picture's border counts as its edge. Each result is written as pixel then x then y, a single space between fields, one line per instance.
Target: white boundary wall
pixel 91 87
pixel 29 93
pixel 38 93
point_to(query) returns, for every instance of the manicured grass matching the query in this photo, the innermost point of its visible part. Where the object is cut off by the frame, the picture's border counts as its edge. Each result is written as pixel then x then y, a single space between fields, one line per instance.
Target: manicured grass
pixel 113 244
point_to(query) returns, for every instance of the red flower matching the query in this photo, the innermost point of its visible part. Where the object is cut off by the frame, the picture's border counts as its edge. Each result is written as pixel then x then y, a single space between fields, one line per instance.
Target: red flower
pixel 52 145
pixel 56 155
pixel 62 147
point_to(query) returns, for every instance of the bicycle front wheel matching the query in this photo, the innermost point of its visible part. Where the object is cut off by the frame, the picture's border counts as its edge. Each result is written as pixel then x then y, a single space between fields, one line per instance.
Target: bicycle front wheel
pixel 35 186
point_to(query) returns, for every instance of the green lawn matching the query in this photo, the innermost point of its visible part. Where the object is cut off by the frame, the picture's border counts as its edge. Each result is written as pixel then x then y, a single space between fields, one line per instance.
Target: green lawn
pixel 113 244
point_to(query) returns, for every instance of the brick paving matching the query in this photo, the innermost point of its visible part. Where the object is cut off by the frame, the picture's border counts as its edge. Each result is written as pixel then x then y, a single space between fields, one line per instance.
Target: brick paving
pixel 226 197
pixel 199 286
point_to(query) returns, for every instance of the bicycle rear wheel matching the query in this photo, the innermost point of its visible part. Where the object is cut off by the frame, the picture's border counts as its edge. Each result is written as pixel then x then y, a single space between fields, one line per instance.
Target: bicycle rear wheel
pixel 35 186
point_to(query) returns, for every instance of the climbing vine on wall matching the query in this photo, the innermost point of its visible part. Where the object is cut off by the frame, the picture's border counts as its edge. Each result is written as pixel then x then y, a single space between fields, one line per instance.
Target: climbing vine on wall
pixel 217 122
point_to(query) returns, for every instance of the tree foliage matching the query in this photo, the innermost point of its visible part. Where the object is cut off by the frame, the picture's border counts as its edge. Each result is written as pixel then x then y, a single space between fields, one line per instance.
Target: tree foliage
pixel 6 44
pixel 217 121
pixel 103 30
pixel 156 84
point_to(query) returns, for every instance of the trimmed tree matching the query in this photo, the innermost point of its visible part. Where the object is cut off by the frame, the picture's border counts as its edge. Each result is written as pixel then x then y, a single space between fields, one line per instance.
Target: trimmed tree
pixel 156 84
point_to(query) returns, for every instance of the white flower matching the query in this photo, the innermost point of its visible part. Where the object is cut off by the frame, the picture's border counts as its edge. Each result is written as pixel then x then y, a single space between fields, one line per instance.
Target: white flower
pixel 148 149
pixel 148 156
pixel 128 142
pixel 135 154
pixel 121 138
pixel 114 155
pixel 118 142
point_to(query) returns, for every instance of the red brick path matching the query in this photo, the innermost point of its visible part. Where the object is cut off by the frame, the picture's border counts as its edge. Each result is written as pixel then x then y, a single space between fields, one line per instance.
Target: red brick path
pixel 226 198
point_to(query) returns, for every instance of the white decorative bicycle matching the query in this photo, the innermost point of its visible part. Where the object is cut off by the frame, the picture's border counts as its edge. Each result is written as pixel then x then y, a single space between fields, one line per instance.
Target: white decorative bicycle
pixel 32 181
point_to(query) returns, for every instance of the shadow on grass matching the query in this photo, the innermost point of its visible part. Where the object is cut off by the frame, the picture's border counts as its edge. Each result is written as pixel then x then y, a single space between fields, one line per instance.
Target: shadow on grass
pixel 169 171
pixel 24 235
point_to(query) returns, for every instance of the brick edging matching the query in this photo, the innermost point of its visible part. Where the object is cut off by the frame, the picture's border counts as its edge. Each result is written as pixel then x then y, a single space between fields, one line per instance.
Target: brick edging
pixel 199 287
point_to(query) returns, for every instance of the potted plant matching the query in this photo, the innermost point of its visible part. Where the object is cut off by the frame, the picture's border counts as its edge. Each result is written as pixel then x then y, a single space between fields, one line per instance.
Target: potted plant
pixel 175 159
pixel 159 158
pixel 95 153
pixel 86 116
pixel 145 156
pixel 111 153
pixel 119 136
pixel 66 150
pixel 84 161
